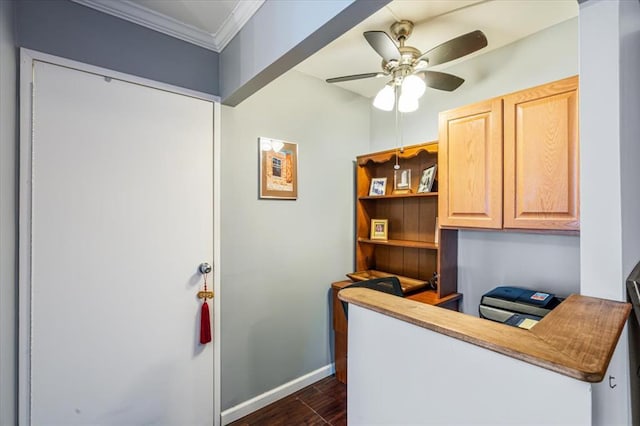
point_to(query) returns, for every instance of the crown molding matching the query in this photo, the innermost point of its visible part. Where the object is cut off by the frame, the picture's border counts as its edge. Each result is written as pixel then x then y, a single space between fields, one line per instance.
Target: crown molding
pixel 235 21
pixel 145 17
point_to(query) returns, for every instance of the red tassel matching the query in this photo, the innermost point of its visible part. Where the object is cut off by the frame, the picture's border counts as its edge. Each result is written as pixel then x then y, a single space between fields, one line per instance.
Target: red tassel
pixel 205 323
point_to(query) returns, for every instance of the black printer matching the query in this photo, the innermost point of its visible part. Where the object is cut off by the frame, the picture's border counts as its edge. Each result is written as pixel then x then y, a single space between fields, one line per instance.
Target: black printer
pixel 519 307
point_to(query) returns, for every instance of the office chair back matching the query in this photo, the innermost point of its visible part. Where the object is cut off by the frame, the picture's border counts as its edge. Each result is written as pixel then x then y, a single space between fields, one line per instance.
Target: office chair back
pixel 390 285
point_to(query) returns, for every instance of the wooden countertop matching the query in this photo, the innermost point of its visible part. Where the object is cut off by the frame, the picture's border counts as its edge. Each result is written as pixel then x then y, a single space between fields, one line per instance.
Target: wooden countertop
pixel 576 339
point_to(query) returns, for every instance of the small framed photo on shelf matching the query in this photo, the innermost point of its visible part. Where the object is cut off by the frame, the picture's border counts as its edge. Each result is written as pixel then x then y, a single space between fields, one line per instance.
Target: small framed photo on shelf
pixel 379 229
pixel 402 181
pixel 427 178
pixel 378 186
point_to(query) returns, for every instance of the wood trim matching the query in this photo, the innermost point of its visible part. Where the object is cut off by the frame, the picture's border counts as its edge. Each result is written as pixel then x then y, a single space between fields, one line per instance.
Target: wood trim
pixel 518 230
pixel 401 243
pixel 409 195
pixel 577 339
pixel 403 153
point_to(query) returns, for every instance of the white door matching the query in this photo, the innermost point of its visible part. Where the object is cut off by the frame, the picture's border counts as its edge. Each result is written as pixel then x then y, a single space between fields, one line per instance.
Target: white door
pixel 120 197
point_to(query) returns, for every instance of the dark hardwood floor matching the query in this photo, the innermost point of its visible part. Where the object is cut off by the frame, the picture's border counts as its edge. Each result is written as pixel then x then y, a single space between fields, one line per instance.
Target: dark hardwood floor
pixel 322 403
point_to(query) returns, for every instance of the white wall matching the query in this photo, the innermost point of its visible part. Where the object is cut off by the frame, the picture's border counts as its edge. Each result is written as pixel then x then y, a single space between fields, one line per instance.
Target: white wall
pixel 609 129
pixel 8 217
pixel 630 174
pixel 489 259
pixel 457 384
pixel 601 227
pixel 279 257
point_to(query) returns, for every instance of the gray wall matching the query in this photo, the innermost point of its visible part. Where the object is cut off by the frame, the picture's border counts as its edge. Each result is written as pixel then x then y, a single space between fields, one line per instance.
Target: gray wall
pixel 69 30
pixel 279 257
pixel 8 217
pixel 489 259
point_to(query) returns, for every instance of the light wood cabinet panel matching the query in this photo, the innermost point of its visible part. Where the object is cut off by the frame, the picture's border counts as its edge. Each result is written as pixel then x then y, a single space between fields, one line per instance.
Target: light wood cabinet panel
pixel 541 169
pixel 512 162
pixel 470 166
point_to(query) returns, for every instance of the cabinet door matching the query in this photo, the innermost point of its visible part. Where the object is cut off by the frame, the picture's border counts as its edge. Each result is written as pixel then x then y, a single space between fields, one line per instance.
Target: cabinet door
pixel 470 166
pixel 541 157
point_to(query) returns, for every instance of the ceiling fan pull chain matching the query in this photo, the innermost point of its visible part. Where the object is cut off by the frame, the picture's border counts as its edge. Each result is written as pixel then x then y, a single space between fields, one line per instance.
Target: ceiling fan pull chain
pixel 398 132
pixel 401 133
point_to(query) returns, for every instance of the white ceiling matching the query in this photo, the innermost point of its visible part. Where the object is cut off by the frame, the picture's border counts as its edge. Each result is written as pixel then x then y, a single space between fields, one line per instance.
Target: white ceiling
pixel 436 21
pixel 213 23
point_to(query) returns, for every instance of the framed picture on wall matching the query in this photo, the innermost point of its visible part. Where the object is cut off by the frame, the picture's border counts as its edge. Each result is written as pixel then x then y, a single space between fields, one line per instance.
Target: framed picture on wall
pixel 278 169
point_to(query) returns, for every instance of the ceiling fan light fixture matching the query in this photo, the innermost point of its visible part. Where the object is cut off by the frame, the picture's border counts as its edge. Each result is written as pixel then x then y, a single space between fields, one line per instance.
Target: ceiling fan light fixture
pixel 385 99
pixel 407 103
pixel 413 86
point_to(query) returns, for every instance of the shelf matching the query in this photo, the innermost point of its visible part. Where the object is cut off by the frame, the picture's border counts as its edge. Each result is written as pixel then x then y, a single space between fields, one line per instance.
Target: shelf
pixel 401 243
pixel 411 195
pixel 430 297
pixel 408 284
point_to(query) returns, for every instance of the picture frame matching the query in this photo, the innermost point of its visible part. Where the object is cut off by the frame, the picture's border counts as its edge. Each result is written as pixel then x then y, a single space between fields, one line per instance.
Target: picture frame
pixel 378 186
pixel 402 181
pixel 379 229
pixel 278 169
pixel 427 179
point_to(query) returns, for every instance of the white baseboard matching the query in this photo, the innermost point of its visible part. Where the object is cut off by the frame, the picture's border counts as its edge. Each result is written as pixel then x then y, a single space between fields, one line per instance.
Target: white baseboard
pixel 234 413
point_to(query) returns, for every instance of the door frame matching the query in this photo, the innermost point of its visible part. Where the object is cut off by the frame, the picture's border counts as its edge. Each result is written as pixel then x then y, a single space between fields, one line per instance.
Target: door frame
pixel 27 59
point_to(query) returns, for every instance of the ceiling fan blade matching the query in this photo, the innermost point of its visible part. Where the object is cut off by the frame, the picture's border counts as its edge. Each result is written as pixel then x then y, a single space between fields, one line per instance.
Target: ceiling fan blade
pixel 382 43
pixel 354 77
pixel 455 48
pixel 441 80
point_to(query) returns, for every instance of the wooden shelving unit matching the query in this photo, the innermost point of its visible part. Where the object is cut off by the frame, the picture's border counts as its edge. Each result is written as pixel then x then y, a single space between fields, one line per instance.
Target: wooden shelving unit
pixel 415 248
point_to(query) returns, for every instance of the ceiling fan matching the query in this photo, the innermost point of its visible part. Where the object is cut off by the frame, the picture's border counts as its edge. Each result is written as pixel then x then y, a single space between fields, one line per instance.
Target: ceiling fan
pixel 407 66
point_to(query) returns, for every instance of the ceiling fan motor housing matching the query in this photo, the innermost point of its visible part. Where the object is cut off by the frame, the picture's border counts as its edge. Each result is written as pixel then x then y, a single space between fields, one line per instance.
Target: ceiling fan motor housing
pixel 405 65
pixel 401 30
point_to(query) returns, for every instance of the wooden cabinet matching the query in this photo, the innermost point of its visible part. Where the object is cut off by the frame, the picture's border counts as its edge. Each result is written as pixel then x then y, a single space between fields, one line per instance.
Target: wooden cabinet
pixel 470 162
pixel 513 161
pixel 339 332
pixel 415 249
pixel 541 157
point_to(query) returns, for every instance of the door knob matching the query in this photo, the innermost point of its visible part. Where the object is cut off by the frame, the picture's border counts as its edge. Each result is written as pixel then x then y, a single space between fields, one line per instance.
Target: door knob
pixel 205 268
